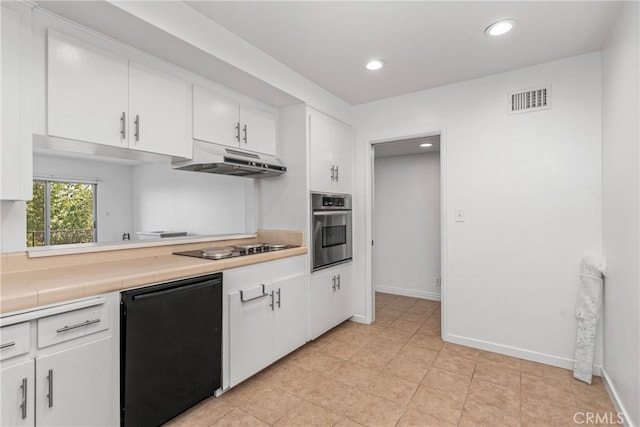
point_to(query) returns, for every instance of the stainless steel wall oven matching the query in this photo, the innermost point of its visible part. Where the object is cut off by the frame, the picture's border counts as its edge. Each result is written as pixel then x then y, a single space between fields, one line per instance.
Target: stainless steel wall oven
pixel 331 234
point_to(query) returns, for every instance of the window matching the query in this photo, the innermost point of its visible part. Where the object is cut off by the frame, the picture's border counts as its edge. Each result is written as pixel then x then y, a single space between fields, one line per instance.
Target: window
pixel 61 213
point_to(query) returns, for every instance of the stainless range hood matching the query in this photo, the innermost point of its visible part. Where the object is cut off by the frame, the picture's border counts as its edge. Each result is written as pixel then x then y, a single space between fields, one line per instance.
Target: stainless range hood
pixel 213 158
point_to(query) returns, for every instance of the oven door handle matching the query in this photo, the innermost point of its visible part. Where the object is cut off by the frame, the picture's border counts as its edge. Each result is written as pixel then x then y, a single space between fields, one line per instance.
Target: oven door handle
pixel 326 213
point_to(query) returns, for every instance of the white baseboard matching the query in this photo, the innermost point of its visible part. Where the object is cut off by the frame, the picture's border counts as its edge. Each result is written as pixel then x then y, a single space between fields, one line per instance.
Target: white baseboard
pixel 359 319
pixel 408 292
pixel 615 398
pixel 547 359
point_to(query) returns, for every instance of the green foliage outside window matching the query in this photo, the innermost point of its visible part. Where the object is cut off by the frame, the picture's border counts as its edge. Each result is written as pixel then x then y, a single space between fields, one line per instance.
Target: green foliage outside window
pixel 70 209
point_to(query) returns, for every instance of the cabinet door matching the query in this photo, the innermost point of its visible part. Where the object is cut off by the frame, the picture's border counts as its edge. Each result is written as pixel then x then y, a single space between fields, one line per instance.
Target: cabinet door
pixel 321 309
pixel 15 143
pixel 159 112
pixel 290 328
pixel 16 386
pixel 87 91
pixel 258 131
pixel 74 386
pixel 215 118
pixel 343 301
pixel 250 332
pixel 342 157
pixel 321 136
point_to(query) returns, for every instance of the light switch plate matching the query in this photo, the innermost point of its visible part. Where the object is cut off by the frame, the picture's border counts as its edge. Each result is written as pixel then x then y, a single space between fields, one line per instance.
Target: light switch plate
pixel 459 215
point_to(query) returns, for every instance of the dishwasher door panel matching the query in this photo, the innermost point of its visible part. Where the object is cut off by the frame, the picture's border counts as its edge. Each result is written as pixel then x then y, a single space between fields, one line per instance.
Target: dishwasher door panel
pixel 171 348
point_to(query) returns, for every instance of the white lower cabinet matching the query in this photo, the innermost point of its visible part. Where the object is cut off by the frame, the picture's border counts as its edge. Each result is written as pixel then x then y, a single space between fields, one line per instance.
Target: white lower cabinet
pixel 331 296
pixel 70 381
pixel 250 332
pixel 290 323
pixel 16 386
pixel 74 386
pixel 267 315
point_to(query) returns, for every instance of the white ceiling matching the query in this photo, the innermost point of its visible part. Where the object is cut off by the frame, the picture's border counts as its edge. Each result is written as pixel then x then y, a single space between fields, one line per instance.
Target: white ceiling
pixel 425 43
pixel 407 147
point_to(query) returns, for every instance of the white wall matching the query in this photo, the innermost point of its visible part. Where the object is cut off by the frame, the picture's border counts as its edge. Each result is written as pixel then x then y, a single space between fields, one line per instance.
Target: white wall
pixel 530 185
pixel 284 200
pixel 621 212
pixel 115 194
pixel 199 203
pixel 13 232
pixel 407 225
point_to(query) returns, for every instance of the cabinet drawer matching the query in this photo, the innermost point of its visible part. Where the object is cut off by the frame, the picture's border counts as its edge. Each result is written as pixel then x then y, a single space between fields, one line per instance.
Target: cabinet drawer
pixel 73 324
pixel 15 340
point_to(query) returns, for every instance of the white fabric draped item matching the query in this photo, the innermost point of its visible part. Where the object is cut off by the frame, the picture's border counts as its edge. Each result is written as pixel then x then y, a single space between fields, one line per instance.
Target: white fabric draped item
pixel 588 308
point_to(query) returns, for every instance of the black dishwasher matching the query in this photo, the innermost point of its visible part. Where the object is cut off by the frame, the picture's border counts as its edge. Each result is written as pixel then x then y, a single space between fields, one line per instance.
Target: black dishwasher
pixel 170 348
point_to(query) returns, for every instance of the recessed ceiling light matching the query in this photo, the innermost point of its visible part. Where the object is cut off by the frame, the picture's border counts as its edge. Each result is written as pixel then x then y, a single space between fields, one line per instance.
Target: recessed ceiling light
pixel 426 145
pixel 499 28
pixel 375 64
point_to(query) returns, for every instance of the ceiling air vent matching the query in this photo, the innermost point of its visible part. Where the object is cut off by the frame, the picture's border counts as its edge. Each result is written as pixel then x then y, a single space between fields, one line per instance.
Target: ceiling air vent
pixel 527 100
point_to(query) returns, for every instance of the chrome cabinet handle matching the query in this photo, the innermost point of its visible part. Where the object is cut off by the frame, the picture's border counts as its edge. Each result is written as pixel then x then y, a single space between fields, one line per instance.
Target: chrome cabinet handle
pixel 123 126
pixel 238 132
pixel 279 293
pixel 7 345
pixel 337 176
pixel 50 395
pixel 264 294
pixel 338 282
pixel 23 405
pixel 244 129
pixel 334 283
pixel 272 305
pixel 137 123
pixel 79 325
pixel 333 173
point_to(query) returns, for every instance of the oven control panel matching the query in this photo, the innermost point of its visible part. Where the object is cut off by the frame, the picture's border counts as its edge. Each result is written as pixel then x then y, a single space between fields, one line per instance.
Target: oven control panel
pixel 325 201
pixel 333 201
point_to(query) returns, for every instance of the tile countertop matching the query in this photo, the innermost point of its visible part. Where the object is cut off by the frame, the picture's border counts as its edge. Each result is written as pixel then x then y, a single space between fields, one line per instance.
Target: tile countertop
pixel 31 282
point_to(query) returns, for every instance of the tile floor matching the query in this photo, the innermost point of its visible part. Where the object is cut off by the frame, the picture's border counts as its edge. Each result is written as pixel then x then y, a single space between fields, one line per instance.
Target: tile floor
pixel 398 372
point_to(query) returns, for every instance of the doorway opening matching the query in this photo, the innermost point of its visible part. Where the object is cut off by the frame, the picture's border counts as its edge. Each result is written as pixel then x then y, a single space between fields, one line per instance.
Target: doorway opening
pixel 406 224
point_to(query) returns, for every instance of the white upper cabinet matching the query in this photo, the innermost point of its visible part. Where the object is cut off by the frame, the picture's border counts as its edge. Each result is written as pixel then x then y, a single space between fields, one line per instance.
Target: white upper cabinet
pixel 258 129
pixel 87 92
pixel 223 120
pixel 330 154
pixel 342 155
pixel 15 145
pixel 99 97
pixel 159 107
pixel 215 118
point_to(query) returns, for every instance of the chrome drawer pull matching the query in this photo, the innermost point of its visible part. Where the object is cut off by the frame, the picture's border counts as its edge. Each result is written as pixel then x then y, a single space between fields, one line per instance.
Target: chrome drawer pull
pixel 279 293
pixel 123 126
pixel 23 405
pixel 50 395
pixel 7 345
pixel 264 294
pixel 137 132
pixel 79 325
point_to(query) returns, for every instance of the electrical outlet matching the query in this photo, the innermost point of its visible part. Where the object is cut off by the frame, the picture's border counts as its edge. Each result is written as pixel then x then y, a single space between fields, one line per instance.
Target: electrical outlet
pixel 438 281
